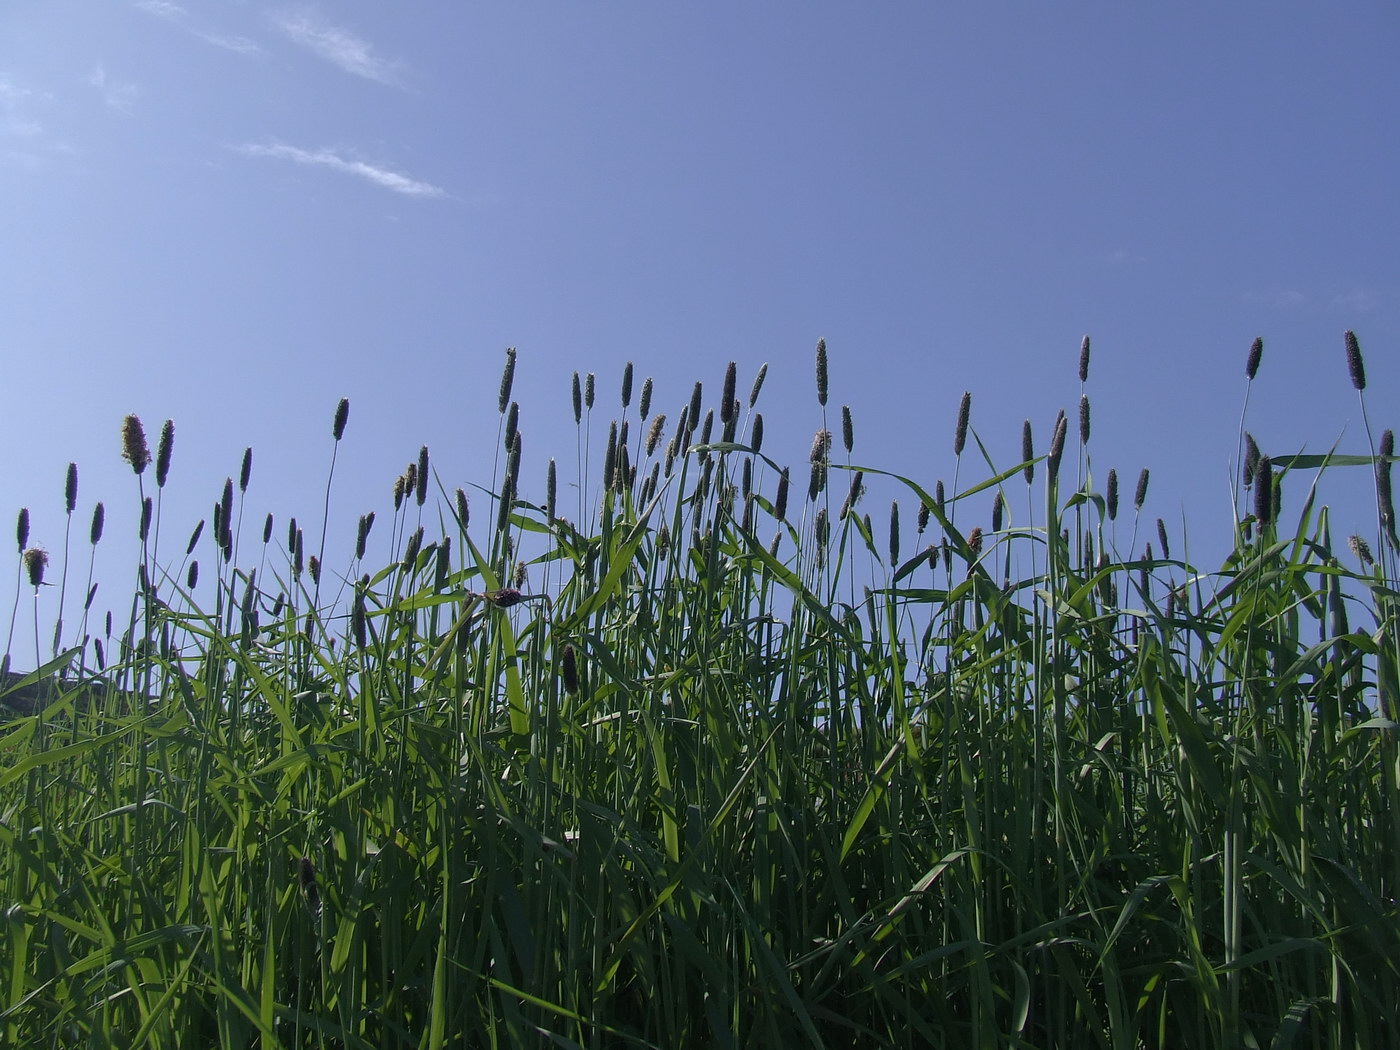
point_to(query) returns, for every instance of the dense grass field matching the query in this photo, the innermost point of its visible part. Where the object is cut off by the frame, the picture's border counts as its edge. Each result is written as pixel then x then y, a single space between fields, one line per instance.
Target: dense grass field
pixel 718 757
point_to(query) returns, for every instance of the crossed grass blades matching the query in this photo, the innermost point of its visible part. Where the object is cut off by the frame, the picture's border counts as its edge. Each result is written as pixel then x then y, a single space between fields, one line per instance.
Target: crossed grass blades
pixel 717 763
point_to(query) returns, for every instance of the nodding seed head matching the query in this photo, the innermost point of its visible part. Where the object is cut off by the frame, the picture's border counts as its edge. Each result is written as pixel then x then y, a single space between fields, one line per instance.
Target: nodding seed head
pixel 1256 353
pixel 1361 549
pixel 1140 495
pixel 504 597
pixel 758 383
pixel 578 401
pixel 964 413
pixel 99 517
pixel 70 488
pixel 22 528
pixel 568 668
pixel 1111 497
pixel 342 416
pixel 1084 360
pixel 134 448
pixel 821 372
pixel 1355 366
pixel 644 404
pixel 245 472
pixel 36 559
pixel 507 378
pixel 1027 452
pixel 658 424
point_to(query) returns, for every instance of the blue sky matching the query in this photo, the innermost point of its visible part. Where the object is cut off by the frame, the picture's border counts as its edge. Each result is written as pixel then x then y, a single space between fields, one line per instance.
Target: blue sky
pixel 234 213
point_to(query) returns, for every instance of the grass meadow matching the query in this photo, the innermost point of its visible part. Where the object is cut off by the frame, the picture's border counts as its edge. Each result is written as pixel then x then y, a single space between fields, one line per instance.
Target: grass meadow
pixel 715 755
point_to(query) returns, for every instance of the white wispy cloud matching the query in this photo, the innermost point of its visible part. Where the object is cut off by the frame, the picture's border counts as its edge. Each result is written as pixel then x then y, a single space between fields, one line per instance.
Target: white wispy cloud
pixel 338 46
pixel 116 94
pixel 1355 300
pixel 325 158
pixel 175 14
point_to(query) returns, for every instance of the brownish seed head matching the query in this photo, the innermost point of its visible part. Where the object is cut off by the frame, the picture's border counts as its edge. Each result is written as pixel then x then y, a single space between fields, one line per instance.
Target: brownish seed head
pixel 134 448
pixel 654 431
pixel 504 597
pixel 36 560
pixel 1361 549
pixel 974 541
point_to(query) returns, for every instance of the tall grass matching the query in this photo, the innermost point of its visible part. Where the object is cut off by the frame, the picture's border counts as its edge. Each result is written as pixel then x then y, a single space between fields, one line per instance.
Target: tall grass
pixel 722 764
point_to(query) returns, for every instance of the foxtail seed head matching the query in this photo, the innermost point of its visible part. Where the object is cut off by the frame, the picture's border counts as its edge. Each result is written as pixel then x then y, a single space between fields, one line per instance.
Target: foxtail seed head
pixel 342 416
pixel 1084 360
pixel 964 414
pixel 134 448
pixel 1140 495
pixel 1111 496
pixel 1027 452
pixel 245 471
pixel 507 379
pixel 726 400
pixel 164 447
pixel 1256 354
pixel 36 560
pixel 758 383
pixel 22 528
pixel 821 372
pixel 1264 491
pixel 644 405
pixel 99 517
pixel 70 488
pixel 1356 368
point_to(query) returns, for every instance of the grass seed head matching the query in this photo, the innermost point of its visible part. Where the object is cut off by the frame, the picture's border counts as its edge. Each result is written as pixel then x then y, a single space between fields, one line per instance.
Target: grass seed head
pixel 998 512
pixel 36 560
pixel 726 400
pixel 1084 360
pixel 578 401
pixel 780 503
pixel 463 510
pixel 147 506
pixel 1140 494
pixel 848 433
pixel 821 372
pixel 894 532
pixel 1027 452
pixel 245 471
pixel 22 528
pixel 1057 447
pixel 507 379
pixel 974 541
pixel 589 385
pixel 1361 549
pixel 194 537
pixel 654 432
pixel 627 385
pixel 758 383
pixel 420 494
pixel 693 411
pixel 1251 459
pixel 1111 495
pixel 756 436
pixel 192 576
pixel 644 404
pixel 1083 419
pixel 134 448
pixel 164 447
pixel 1256 354
pixel 1264 491
pixel 568 669
pixel 964 415
pixel 1162 539
pixel 70 488
pixel 1356 367
pixel 342 416
pixel 551 488
pixel 99 517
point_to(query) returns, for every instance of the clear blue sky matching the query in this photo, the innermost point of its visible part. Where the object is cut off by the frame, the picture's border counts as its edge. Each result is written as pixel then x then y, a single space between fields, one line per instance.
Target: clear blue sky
pixel 234 213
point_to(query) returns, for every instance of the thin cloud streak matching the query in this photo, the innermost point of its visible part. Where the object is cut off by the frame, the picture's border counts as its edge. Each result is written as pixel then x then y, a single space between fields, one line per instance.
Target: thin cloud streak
pixel 116 94
pixel 389 180
pixel 337 46
pixel 175 14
